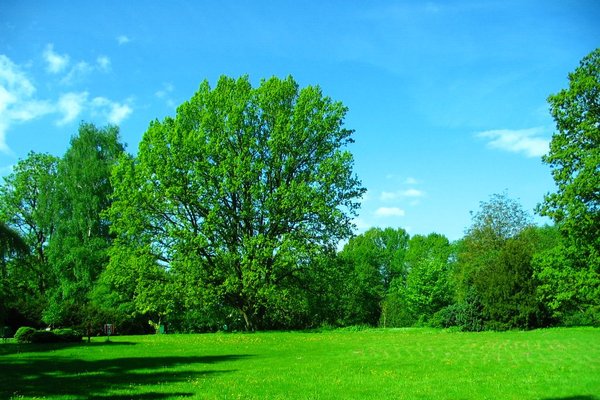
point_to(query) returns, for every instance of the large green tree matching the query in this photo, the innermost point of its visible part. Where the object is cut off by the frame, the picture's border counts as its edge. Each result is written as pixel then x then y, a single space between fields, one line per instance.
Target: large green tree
pixel 78 249
pixel 239 192
pixel 27 206
pixel 574 155
pixel 572 276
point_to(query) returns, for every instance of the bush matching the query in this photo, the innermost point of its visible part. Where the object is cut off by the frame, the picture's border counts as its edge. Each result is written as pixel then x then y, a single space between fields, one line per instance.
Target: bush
pixel 24 334
pixel 68 335
pixel 44 337
pixel 29 335
pixel 588 317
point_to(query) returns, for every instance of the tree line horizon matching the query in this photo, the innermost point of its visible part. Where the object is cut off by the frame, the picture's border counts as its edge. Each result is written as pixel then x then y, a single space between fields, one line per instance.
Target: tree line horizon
pixel 229 218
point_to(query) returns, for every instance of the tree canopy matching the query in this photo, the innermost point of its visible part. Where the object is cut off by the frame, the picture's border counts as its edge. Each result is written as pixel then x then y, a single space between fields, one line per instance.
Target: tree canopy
pixel 574 156
pixel 570 275
pixel 240 191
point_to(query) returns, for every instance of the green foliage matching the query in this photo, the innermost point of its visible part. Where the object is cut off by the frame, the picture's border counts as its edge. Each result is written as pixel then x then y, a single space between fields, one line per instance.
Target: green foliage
pixel 575 154
pixel 26 204
pixel 569 290
pixel 43 336
pixel 24 334
pixel 464 315
pixel 239 193
pixel 428 286
pixel 10 243
pixel 375 259
pixel 78 250
pixel 495 266
pixel 571 275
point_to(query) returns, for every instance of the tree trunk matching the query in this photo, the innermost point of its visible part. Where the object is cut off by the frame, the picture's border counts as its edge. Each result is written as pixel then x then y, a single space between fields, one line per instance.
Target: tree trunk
pixel 249 325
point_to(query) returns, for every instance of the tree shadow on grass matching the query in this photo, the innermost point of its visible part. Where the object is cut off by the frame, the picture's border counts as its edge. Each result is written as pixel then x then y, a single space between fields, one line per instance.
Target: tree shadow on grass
pixel 574 398
pixel 104 379
pixel 16 348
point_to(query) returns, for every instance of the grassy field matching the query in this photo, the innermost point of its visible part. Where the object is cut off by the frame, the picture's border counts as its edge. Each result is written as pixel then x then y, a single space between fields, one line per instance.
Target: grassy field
pixel 372 364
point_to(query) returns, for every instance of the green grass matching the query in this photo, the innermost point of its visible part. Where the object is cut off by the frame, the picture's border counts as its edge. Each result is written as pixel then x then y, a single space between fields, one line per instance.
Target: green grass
pixel 371 364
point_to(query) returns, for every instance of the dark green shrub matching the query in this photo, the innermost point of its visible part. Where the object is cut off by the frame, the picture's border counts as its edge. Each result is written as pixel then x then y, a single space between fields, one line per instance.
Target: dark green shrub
pixel 24 334
pixel 444 318
pixel 587 317
pixel 29 335
pixel 68 335
pixel 44 337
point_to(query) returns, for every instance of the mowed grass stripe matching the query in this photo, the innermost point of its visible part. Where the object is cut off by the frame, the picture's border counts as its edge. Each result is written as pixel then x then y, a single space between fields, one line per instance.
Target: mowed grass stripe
pixel 371 364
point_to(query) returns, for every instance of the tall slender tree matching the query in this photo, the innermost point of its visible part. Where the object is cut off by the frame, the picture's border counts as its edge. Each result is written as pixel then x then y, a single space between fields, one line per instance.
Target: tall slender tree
pixel 79 248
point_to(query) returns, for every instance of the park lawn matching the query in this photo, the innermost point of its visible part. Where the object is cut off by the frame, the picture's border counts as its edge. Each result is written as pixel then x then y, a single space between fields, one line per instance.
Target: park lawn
pixel 341 364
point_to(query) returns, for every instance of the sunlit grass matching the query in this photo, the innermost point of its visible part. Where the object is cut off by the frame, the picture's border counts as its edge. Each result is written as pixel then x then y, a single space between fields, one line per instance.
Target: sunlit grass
pixel 371 364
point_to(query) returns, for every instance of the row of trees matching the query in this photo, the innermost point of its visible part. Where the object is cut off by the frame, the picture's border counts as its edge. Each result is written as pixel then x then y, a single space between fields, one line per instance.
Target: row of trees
pixel 230 215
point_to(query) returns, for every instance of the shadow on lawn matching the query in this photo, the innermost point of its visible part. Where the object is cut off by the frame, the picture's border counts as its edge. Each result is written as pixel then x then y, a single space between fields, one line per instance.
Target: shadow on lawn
pixel 574 398
pixel 15 348
pixel 97 379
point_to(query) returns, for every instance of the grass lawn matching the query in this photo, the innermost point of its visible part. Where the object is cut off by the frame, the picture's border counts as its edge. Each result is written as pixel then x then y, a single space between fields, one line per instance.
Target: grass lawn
pixel 371 364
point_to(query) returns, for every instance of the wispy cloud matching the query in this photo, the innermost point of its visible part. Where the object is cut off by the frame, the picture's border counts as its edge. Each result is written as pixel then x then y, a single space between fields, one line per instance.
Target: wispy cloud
pixel 407 193
pixel 165 94
pixel 70 105
pixel 389 212
pixel 19 103
pixel 103 63
pixel 77 73
pixel 113 111
pixel 118 113
pixel 56 62
pixel 122 39
pixel 16 99
pixel 530 142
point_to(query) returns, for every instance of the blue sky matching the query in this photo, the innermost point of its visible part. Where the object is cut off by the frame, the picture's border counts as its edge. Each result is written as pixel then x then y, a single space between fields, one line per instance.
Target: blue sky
pixel 448 98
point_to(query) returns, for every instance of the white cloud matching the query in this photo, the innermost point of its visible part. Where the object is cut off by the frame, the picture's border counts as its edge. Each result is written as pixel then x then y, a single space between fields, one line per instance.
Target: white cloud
pixel 31 109
pixel 122 39
pixel 410 193
pixel 113 111
pixel 56 62
pixel 103 63
pixel 410 181
pixel 16 99
pixel 389 212
pixel 13 82
pixel 529 142
pixel 118 112
pixel 19 103
pixel 3 146
pixel 71 105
